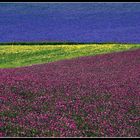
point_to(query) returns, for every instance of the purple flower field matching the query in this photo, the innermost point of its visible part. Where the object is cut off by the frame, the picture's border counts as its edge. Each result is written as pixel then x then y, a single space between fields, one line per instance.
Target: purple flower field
pixel 94 96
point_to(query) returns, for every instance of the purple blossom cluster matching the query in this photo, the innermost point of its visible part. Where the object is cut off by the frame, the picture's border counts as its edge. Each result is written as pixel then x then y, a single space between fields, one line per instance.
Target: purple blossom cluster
pixel 94 96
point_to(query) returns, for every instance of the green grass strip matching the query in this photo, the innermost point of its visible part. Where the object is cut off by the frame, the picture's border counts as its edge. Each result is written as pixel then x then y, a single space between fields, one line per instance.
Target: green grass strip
pixel 12 56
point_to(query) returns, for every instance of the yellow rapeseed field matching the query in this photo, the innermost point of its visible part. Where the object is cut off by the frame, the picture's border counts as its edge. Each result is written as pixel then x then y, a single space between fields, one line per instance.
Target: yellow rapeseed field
pixel 24 55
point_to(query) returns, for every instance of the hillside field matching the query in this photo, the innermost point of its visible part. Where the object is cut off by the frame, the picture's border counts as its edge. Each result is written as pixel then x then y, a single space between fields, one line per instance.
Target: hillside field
pixel 83 90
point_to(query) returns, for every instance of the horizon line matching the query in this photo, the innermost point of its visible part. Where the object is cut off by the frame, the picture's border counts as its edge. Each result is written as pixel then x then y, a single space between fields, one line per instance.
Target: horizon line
pixel 60 42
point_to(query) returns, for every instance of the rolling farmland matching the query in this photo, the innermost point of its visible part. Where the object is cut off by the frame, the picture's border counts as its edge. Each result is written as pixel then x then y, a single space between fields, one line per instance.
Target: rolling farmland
pixel 70 70
pixel 86 96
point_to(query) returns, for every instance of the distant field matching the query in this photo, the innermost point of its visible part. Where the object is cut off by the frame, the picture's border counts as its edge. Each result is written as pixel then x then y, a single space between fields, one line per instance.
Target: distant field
pixel 24 55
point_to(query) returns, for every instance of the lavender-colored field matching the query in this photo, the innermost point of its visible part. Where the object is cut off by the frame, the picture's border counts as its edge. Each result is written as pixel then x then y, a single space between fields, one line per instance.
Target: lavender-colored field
pixel 87 96
pixel 74 22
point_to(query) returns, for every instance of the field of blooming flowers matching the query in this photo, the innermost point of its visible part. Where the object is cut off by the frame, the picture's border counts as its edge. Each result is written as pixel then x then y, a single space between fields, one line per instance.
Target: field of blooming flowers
pixel 24 55
pixel 92 96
